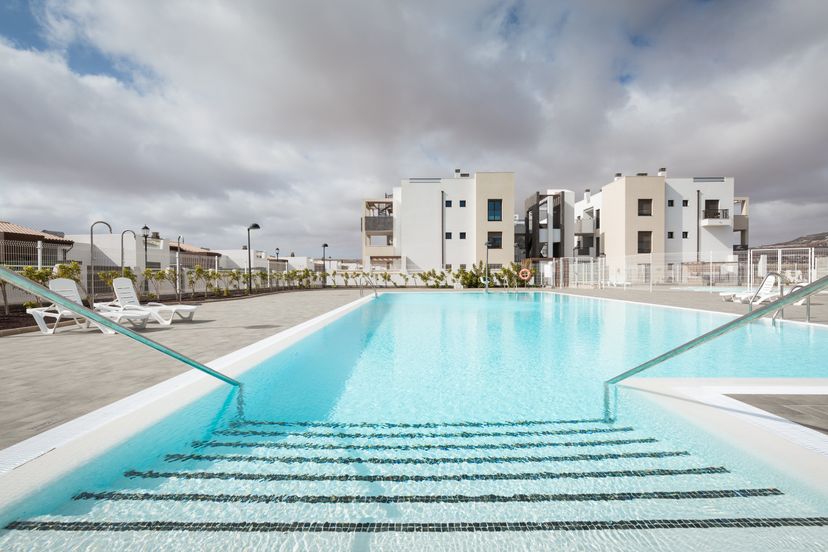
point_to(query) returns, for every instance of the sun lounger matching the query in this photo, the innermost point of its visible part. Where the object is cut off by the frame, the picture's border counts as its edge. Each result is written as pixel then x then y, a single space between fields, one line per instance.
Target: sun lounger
pixel 765 293
pixel 69 289
pixel 126 299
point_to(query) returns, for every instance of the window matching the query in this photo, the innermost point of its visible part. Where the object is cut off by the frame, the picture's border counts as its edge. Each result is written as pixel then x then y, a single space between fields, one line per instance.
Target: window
pixel 495 209
pixel 448 235
pixel 669 235
pixel 462 267
pixel 645 207
pixel 462 235
pixel 685 202
pixel 684 235
pixel 495 240
pixel 645 242
pixel 448 203
pixel 462 203
pixel 495 267
pixel 670 203
pixel 448 267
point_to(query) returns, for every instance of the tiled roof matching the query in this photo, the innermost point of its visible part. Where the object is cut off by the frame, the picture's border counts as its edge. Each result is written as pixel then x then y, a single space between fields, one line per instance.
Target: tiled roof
pixel 187 248
pixel 11 228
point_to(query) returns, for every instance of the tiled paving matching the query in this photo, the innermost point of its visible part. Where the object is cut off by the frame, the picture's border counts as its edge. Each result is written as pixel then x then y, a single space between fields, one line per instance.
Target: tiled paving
pixel 807 410
pixel 49 380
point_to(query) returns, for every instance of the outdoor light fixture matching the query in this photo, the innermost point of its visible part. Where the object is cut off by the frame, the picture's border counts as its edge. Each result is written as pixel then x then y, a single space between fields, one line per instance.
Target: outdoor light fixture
pixel 324 276
pixel 253 226
pixel 277 254
pixel 92 260
pixel 488 244
pixel 145 231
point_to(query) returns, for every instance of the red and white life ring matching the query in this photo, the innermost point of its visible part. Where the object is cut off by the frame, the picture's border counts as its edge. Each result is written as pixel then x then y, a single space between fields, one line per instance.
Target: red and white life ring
pixel 525 274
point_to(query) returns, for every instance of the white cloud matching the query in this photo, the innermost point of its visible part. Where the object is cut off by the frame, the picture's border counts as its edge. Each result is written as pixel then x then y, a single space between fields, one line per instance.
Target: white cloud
pixel 289 113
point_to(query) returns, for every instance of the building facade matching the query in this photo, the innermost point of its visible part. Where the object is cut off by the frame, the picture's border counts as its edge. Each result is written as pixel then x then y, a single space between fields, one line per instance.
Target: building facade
pixel 681 219
pixel 549 224
pixel 441 223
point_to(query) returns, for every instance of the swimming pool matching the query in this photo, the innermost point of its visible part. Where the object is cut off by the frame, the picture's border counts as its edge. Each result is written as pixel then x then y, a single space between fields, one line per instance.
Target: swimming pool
pixel 457 420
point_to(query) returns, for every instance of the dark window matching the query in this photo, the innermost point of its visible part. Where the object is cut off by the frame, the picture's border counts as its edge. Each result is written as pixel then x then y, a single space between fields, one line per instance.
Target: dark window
pixel 645 207
pixel 462 267
pixel 448 235
pixel 448 203
pixel 645 242
pixel 684 235
pixel 462 203
pixel 462 235
pixel 495 209
pixel 685 203
pixel 495 240
pixel 495 267
pixel 669 235
pixel 670 203
pixel 448 267
pixel 597 218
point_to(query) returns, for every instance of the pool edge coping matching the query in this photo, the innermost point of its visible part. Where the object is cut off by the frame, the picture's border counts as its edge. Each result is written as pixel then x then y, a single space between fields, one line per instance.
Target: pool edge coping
pixel 48 455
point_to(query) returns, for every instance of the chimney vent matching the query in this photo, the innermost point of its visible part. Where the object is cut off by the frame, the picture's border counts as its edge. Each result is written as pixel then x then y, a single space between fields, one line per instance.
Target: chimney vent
pixel 617 176
pixel 465 175
pixel 155 236
pixel 662 171
pixel 456 173
pixel 587 195
pixel 641 174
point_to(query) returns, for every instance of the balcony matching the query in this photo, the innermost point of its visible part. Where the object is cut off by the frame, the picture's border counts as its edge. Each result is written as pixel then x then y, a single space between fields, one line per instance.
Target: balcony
pixel 378 225
pixel 585 225
pixel 716 217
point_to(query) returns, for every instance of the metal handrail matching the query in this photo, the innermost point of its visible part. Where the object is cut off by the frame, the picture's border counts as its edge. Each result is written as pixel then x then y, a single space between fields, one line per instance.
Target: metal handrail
pixel 756 293
pixel 36 289
pixel 362 277
pixel 792 297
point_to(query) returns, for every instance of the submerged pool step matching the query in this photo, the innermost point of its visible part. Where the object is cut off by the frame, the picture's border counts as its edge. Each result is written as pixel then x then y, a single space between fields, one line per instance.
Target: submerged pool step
pixel 419 434
pixel 420 460
pixel 418 478
pixel 441 446
pixel 419 425
pixel 430 499
pixel 438 527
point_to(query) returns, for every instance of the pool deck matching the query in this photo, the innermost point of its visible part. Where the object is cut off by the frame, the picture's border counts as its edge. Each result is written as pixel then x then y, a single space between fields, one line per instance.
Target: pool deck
pixel 49 380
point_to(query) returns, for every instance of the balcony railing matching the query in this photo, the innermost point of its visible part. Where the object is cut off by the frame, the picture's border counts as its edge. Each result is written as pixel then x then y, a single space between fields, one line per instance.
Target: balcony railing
pixel 717 213
pixel 379 224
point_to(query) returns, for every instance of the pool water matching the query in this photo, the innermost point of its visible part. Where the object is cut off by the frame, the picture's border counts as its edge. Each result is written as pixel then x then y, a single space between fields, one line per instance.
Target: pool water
pixel 446 420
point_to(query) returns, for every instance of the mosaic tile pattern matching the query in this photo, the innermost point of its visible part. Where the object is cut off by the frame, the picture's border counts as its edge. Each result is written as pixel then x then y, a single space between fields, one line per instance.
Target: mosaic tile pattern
pixel 421 435
pixel 423 425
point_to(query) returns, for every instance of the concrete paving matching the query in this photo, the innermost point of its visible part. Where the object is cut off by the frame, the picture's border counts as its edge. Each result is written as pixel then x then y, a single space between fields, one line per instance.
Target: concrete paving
pixel 49 380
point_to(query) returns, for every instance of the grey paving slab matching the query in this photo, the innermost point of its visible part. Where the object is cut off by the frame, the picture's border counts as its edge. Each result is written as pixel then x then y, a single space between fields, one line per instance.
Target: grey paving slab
pixel 48 380
pixel 807 410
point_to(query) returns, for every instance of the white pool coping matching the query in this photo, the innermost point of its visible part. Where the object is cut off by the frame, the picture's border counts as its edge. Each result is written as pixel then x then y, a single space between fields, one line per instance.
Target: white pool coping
pixel 30 464
pixel 791 448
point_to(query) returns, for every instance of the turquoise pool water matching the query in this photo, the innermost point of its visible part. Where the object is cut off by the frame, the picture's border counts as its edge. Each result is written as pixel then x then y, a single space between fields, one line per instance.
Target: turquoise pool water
pixel 453 421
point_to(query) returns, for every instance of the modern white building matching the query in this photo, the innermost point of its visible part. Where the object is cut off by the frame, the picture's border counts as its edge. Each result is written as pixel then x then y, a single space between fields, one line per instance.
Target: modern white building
pixel 681 219
pixel 441 223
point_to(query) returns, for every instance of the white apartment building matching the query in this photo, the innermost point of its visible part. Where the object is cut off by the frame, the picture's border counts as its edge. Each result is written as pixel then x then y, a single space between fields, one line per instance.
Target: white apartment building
pixel 441 223
pixel 683 219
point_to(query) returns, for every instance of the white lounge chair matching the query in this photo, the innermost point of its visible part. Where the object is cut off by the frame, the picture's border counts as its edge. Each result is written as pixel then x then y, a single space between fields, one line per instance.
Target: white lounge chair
pixel 766 292
pixel 69 289
pixel 127 300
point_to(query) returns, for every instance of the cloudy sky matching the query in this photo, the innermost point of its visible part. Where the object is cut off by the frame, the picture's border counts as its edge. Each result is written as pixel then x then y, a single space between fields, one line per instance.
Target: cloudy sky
pixel 197 118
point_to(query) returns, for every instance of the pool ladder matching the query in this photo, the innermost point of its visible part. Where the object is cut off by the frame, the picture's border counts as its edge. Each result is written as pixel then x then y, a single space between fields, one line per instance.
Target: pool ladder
pixel 362 280
pixel 794 296
pixel 36 289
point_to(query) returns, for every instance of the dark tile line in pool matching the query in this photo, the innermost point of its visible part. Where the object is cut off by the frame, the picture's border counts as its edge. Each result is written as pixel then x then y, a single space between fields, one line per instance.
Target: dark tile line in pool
pixel 421 435
pixel 401 478
pixel 422 425
pixel 444 460
pixel 479 446
pixel 431 499
pixel 437 527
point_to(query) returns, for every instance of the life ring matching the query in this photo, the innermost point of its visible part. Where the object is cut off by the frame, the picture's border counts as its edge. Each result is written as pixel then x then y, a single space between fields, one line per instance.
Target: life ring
pixel 525 274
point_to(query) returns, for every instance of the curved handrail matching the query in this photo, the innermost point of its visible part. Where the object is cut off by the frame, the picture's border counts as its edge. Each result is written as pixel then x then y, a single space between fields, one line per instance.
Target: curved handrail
pixel 792 297
pixel 756 293
pixel 36 289
pixel 367 278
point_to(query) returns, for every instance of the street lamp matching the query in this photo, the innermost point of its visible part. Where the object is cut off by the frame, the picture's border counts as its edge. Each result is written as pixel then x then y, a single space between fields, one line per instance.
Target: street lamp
pixel 277 254
pixel 92 260
pixel 145 231
pixel 135 237
pixel 253 226
pixel 488 244
pixel 178 270
pixel 324 276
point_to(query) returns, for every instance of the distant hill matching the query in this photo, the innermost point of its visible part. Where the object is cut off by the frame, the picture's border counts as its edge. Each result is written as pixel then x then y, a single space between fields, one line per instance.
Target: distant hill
pixel 811 240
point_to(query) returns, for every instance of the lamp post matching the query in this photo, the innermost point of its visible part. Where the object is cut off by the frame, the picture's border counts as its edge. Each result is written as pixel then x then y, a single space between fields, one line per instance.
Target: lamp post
pixel 135 237
pixel 488 244
pixel 324 276
pixel 253 226
pixel 145 232
pixel 277 269
pixel 277 254
pixel 92 260
pixel 178 270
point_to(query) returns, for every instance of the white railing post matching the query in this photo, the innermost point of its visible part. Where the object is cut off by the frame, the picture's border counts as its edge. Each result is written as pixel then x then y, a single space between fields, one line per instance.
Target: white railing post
pixel 651 272
pixel 39 254
pixel 711 272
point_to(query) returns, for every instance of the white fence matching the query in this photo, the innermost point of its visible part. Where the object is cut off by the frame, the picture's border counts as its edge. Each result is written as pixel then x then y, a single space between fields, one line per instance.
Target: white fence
pixel 743 270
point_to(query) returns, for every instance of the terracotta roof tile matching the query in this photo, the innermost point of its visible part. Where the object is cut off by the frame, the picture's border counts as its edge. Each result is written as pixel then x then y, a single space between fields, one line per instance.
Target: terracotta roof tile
pixel 11 228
